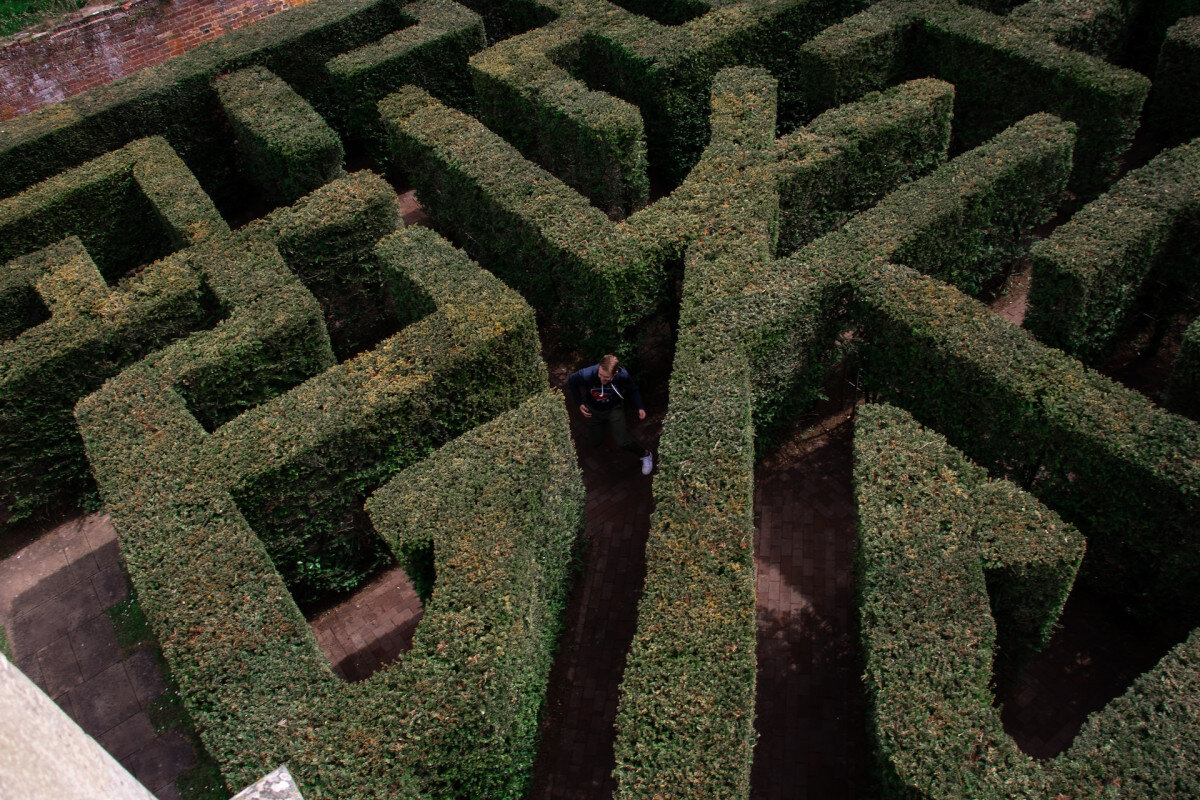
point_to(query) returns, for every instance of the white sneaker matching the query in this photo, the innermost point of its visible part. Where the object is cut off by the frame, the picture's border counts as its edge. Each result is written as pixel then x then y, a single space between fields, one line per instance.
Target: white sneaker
pixel 647 463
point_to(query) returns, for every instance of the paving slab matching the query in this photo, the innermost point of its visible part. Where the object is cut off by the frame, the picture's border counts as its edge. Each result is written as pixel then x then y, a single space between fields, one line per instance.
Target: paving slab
pixel 53 596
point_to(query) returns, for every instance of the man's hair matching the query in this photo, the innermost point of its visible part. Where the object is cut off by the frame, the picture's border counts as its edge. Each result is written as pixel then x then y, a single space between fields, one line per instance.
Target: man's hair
pixel 609 363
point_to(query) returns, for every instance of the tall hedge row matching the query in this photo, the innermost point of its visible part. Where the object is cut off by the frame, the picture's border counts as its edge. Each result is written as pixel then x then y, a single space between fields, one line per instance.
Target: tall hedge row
pixel 538 88
pixel 1100 28
pixel 328 239
pixel 432 53
pixel 1183 388
pixel 301 484
pixel 1123 471
pixel 286 148
pixel 1176 82
pixel 177 101
pixel 452 718
pixel 1001 72
pixel 598 279
pixel 852 155
pixel 1088 274
pixel 949 564
pixel 685 719
pixel 71 319
pixel 953 569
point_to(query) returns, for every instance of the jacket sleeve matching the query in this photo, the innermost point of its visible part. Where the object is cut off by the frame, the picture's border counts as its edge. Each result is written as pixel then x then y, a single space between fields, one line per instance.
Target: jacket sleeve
pixel 574 385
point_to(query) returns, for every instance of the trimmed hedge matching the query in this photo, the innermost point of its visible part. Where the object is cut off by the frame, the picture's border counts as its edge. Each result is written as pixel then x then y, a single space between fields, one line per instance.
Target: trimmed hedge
pixel 1183 388
pixel 328 239
pixel 685 719
pixel 599 279
pixel 1088 274
pixel 949 563
pixel 962 222
pixel 75 235
pixel 300 486
pixel 592 140
pixel 536 88
pixel 501 507
pixel 534 231
pixel 176 99
pixel 287 150
pixel 1173 108
pixel 250 672
pixel 1125 472
pixel 940 548
pixel 1000 72
pixel 850 156
pixel 1102 456
pixel 1098 27
pixel 432 53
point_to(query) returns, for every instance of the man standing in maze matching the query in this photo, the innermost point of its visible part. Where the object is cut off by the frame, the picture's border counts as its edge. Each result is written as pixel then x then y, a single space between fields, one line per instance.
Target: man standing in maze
pixel 600 392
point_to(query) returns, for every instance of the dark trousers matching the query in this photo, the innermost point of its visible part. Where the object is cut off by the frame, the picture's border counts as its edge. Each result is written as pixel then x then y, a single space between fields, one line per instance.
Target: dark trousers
pixel 612 421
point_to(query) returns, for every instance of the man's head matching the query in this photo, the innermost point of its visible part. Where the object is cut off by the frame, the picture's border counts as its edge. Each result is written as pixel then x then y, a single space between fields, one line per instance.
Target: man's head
pixel 607 368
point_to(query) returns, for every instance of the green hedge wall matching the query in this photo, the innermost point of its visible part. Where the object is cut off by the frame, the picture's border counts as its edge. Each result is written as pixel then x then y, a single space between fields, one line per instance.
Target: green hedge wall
pixel 177 101
pixel 433 53
pixel 1000 71
pixel 1183 387
pixel 501 507
pixel 948 565
pixel 251 675
pixel 1172 103
pixel 685 719
pixel 962 222
pixel 536 89
pixel 328 238
pixel 538 234
pixel 592 140
pixel 852 155
pixel 1098 27
pixel 1094 452
pixel 598 279
pixel 286 148
pixel 73 237
pixel 942 549
pixel 1125 472
pixel 300 486
pixel 1088 274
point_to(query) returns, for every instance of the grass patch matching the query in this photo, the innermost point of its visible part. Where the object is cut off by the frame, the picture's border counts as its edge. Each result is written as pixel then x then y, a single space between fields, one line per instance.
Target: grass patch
pixel 203 781
pixel 5 646
pixel 17 15
pixel 133 631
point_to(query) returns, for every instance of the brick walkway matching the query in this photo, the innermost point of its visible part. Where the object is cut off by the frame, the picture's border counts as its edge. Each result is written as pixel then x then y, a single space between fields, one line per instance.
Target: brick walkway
pixel 372 628
pixel 810 713
pixel 53 597
pixel 576 759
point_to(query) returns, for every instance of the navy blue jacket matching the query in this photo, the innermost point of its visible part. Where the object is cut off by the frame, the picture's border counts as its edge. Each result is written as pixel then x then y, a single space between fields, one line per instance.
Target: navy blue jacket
pixel 585 388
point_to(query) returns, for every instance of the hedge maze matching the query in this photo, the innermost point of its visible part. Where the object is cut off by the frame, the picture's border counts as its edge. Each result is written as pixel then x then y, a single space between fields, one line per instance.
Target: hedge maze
pixel 276 388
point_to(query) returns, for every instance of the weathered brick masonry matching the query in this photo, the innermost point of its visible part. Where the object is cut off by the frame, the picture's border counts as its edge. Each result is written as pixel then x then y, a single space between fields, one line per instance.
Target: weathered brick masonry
pixel 112 41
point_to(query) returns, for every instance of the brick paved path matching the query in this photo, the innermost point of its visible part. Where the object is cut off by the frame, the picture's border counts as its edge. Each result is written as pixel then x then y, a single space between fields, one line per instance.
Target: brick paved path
pixel 372 628
pixel 810 712
pixel 576 759
pixel 53 597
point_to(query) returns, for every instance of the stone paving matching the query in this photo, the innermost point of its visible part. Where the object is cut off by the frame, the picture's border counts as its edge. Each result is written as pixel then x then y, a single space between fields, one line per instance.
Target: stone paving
pixel 54 594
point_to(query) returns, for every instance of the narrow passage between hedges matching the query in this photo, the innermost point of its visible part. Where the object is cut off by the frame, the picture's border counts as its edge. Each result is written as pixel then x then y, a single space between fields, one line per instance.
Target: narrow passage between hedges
pixel 810 709
pixel 576 759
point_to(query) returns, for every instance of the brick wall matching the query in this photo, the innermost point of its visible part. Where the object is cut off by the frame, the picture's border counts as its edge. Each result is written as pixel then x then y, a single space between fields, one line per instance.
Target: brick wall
pixel 111 41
